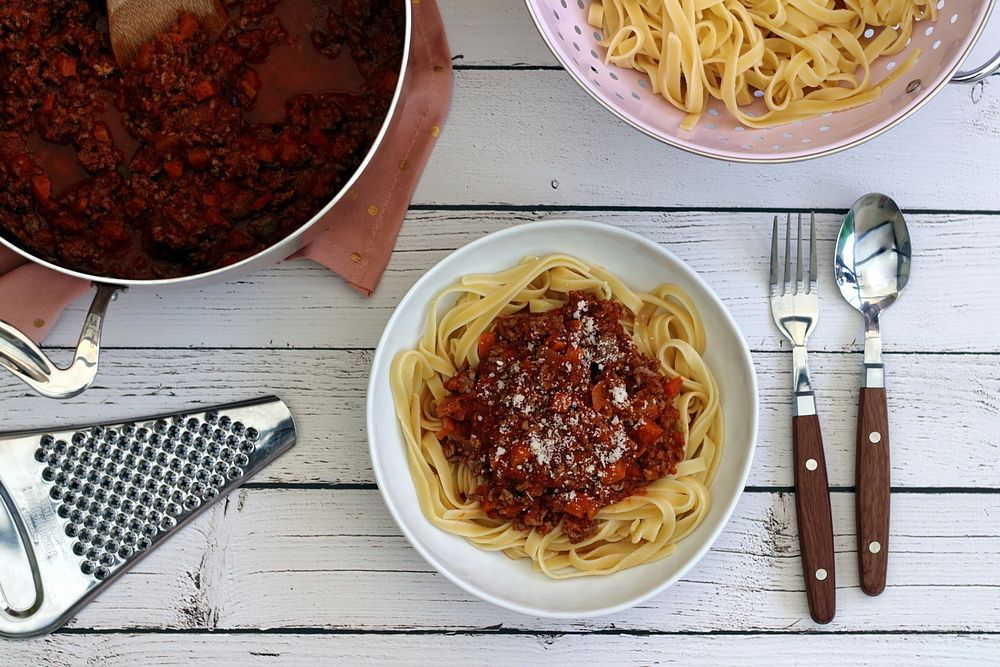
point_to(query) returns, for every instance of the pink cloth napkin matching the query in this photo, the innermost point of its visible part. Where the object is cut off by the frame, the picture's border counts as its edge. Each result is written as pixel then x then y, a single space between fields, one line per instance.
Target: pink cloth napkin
pixel 362 228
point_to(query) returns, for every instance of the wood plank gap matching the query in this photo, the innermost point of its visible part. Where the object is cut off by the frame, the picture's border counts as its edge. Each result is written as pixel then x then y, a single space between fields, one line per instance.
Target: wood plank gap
pixel 500 630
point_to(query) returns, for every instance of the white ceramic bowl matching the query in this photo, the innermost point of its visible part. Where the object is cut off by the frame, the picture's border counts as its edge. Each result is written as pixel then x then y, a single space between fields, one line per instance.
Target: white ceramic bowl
pixel 493 577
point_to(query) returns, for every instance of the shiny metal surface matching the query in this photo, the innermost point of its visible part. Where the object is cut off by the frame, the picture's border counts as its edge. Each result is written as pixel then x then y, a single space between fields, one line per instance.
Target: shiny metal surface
pixel 27 362
pixel 18 591
pixel 795 306
pixel 79 507
pixel 23 358
pixel 977 74
pixel 872 267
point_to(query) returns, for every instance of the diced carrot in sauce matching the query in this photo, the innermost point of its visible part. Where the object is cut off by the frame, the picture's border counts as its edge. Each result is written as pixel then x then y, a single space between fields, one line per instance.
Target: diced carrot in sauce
pixel 188 26
pixel 66 66
pixel 48 103
pixel 144 57
pixel 486 342
pixel 447 428
pixel 288 152
pixel 519 455
pixel 164 143
pixel 21 164
pixel 648 432
pixel 265 153
pixel 599 396
pixel 582 507
pixel 204 90
pixel 486 505
pixel 674 386
pixel 198 158
pixel 101 132
pixel 173 169
pixel 316 137
pixel 451 406
pixel 615 473
pixel 249 83
pixel 41 187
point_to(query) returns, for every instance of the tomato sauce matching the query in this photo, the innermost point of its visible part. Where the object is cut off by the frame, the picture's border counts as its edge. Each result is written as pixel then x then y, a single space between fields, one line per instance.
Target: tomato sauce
pixel 562 417
pixel 208 149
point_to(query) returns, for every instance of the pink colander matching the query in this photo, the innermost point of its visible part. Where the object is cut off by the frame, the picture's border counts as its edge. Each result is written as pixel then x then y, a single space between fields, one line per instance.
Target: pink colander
pixel 944 44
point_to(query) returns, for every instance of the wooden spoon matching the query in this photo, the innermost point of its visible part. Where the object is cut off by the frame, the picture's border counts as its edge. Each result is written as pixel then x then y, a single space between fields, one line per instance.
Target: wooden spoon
pixel 133 23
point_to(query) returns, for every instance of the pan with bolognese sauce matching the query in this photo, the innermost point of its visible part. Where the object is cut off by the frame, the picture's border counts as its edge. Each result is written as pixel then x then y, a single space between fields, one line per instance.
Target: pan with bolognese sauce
pixel 212 155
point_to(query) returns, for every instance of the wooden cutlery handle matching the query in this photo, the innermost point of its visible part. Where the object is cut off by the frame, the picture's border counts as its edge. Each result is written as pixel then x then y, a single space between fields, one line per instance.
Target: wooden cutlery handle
pixel 872 497
pixel 812 508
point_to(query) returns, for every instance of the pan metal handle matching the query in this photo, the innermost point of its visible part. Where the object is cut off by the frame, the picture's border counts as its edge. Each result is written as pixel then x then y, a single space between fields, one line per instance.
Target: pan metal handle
pixel 23 358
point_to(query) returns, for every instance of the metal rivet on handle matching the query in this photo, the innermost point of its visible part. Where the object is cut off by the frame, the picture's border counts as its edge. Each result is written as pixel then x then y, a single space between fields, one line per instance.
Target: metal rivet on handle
pixel 821 574
pixel 874 437
pixel 811 464
pixel 874 547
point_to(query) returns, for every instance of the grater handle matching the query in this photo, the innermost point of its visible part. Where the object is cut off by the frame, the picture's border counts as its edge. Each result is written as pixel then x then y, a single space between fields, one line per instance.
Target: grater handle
pixel 24 359
pixel 19 592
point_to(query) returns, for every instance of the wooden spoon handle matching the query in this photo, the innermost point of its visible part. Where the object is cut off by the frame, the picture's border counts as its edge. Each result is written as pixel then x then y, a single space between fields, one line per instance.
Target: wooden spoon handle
pixel 872 497
pixel 812 508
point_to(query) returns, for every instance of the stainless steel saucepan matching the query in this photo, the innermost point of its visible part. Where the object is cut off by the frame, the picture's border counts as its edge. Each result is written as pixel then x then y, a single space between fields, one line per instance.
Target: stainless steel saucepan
pixel 24 359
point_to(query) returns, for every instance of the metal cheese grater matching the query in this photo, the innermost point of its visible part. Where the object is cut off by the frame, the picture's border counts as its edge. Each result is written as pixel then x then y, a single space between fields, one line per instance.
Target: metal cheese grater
pixel 80 507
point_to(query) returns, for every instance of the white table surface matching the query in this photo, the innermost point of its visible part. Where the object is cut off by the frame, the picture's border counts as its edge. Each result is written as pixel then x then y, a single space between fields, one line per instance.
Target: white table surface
pixel 305 564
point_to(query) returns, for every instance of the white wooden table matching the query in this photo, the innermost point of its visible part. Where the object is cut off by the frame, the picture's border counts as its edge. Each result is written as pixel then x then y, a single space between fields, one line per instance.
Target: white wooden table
pixel 305 564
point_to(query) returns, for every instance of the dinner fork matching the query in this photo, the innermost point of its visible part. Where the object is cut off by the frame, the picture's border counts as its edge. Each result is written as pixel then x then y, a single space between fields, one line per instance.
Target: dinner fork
pixel 795 309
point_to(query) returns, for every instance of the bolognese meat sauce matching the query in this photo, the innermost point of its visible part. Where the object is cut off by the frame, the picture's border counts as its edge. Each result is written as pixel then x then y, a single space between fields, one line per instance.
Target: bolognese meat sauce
pixel 207 149
pixel 562 417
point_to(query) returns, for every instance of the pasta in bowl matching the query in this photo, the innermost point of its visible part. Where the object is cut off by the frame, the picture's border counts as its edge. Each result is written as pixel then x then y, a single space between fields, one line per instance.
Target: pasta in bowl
pixel 761 80
pixel 548 419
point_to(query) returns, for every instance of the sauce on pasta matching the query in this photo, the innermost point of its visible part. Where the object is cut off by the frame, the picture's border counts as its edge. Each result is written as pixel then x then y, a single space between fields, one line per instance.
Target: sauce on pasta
pixel 562 417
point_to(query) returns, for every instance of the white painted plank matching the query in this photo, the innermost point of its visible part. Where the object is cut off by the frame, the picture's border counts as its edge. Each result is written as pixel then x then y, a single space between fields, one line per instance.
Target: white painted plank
pixel 534 137
pixel 777 650
pixel 493 34
pixel 326 391
pixel 947 307
pixel 334 560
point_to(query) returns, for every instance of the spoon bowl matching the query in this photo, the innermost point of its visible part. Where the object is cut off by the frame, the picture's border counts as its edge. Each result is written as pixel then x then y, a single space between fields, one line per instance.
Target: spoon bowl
pixel 872 264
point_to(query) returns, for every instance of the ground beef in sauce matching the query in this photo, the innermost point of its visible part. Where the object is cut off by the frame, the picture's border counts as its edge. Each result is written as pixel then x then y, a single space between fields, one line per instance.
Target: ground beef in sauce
pixel 206 150
pixel 562 417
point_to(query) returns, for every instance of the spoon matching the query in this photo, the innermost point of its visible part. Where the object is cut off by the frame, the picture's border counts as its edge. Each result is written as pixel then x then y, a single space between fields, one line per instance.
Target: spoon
pixel 133 23
pixel 872 266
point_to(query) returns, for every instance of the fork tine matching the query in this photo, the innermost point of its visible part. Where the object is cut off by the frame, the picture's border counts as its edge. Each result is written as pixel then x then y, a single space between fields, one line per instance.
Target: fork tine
pixel 788 254
pixel 774 256
pixel 799 285
pixel 812 252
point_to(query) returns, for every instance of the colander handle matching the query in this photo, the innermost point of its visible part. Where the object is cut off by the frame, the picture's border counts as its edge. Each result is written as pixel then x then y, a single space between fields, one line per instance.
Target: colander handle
pixel 24 359
pixel 976 74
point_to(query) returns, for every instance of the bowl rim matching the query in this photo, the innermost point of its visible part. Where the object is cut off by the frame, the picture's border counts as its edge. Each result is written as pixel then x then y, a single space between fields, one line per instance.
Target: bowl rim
pixel 379 362
pixel 918 102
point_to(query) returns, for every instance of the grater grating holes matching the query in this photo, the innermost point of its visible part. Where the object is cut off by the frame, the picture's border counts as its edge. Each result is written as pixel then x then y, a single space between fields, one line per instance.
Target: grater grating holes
pixel 117 489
